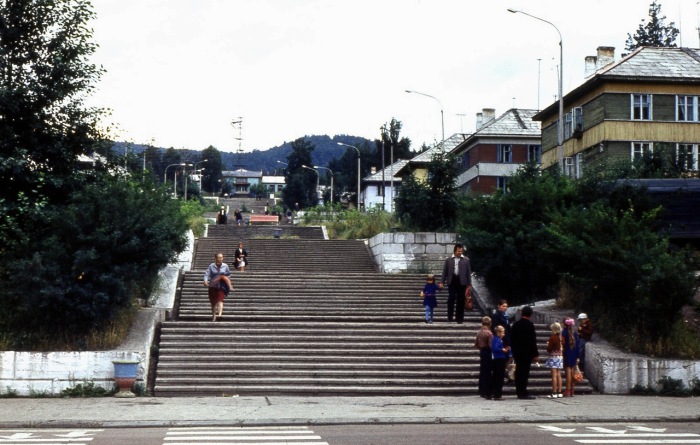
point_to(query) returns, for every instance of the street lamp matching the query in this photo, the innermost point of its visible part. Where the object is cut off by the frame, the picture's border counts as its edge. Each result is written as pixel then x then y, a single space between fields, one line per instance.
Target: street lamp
pixel 560 123
pixel 184 172
pixel 165 175
pixel 442 114
pixel 318 179
pixel 326 168
pixel 358 171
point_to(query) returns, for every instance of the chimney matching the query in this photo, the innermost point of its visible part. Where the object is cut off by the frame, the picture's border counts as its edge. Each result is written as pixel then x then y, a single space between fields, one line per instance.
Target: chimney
pixel 489 114
pixel 479 121
pixel 373 170
pixel 590 66
pixel 606 56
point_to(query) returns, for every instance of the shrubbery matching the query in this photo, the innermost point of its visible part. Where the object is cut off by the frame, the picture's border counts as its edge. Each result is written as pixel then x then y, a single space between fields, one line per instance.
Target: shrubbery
pixel 592 243
pixel 86 258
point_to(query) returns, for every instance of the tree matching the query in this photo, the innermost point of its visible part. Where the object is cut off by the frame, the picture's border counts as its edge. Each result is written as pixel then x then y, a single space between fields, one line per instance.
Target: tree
pixel 300 185
pixel 45 72
pixel 654 33
pixel 432 205
pixel 212 176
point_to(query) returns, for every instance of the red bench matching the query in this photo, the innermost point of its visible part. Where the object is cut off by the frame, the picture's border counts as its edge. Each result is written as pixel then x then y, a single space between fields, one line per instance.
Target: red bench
pixel 264 219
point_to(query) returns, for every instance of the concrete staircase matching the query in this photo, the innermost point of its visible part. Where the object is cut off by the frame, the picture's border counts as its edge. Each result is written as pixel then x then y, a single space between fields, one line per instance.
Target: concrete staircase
pixel 327 325
pixel 286 231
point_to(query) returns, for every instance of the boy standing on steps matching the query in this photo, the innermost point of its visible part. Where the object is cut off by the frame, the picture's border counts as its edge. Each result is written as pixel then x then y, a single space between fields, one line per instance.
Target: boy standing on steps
pixel 429 298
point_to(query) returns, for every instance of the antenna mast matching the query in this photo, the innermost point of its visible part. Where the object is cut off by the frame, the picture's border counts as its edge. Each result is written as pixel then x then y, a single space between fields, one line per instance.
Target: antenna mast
pixel 238 123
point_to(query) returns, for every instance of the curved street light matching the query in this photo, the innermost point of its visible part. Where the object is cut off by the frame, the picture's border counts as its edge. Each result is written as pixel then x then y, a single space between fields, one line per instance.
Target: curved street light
pixel 326 168
pixel 442 114
pixel 560 123
pixel 165 175
pixel 318 179
pixel 358 170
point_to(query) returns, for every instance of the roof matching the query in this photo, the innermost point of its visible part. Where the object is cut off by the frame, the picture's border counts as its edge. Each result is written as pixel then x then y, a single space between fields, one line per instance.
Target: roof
pixel 242 173
pixel 645 64
pixel 514 122
pixel 393 168
pixel 450 144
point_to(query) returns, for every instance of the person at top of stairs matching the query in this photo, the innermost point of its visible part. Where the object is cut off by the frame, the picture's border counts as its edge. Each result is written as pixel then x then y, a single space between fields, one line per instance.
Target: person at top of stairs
pixel 216 278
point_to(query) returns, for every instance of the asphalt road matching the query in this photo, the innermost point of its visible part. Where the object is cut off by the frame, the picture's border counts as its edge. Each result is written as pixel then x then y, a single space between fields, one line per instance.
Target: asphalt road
pixel 366 434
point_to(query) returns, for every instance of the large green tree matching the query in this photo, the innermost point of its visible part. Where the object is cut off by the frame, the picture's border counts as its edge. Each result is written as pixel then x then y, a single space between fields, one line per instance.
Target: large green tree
pixel 212 176
pixel 45 74
pixel 655 32
pixel 300 182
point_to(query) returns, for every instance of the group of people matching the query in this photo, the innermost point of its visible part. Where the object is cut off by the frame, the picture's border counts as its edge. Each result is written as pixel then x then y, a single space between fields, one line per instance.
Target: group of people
pixel 498 341
pixel 217 278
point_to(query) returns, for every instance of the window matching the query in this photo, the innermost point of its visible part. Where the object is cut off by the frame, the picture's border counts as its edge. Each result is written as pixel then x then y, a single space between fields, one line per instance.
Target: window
pixel 568 119
pixel 534 153
pixel 687 108
pixel 573 166
pixel 502 183
pixel 640 149
pixel 505 153
pixel 578 119
pixel 641 107
pixel 380 190
pixel 687 157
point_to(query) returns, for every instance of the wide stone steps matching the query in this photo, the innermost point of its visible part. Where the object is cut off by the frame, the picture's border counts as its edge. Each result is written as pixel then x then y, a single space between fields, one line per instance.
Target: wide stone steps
pixel 302 321
pixel 289 255
pixel 236 232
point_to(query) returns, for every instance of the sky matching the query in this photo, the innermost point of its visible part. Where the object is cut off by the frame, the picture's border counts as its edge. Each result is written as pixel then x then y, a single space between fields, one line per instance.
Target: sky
pixel 179 72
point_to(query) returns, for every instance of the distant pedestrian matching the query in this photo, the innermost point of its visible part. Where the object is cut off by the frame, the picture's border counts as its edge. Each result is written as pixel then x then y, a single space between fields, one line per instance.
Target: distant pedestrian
pixel 216 278
pixel 483 344
pixel 241 258
pixel 585 332
pixel 428 294
pixel 222 217
pixel 555 361
pixel 457 275
pixel 523 343
pixel 239 216
pixel 500 353
pixel 570 352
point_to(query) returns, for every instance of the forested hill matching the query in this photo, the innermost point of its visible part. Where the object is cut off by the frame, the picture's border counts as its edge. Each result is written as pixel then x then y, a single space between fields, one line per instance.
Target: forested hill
pixel 326 148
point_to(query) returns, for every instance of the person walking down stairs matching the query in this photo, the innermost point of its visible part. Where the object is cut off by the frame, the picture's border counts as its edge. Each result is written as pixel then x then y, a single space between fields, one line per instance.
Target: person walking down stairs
pixel 241 259
pixel 216 278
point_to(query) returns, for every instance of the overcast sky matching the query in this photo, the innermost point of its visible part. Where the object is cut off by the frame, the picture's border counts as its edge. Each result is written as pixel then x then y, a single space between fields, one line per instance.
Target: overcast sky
pixel 179 71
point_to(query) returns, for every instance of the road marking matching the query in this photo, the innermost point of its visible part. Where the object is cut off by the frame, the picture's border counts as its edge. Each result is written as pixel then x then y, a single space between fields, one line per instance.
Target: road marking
pixel 46 436
pixel 242 435
pixel 640 435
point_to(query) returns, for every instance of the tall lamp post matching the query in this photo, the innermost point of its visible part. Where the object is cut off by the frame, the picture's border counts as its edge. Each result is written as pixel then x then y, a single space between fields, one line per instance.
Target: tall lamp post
pixel 358 171
pixel 195 171
pixel 326 168
pixel 442 114
pixel 560 123
pixel 184 172
pixel 165 175
pixel 318 179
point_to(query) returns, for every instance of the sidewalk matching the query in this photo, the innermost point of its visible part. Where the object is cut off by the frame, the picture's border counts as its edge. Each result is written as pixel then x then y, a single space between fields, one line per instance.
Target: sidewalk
pixel 259 411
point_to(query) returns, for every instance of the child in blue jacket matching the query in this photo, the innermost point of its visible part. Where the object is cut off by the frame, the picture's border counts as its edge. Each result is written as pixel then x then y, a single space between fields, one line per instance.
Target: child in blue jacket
pixel 429 297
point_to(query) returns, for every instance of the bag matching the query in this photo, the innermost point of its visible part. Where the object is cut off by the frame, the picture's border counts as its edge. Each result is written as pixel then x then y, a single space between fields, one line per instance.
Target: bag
pixel 510 372
pixel 468 300
pixel 578 375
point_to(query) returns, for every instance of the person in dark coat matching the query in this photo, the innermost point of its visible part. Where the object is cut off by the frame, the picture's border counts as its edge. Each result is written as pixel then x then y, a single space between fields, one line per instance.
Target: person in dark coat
pixel 457 275
pixel 523 343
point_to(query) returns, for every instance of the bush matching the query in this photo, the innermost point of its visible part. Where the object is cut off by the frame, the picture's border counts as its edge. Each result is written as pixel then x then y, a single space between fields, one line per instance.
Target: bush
pixel 594 240
pixel 78 273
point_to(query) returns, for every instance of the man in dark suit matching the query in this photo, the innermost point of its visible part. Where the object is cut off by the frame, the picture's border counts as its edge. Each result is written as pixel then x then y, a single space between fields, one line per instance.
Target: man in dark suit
pixel 457 275
pixel 523 343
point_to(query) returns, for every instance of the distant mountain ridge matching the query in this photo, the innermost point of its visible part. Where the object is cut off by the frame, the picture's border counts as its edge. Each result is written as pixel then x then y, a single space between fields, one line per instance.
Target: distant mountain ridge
pixel 326 149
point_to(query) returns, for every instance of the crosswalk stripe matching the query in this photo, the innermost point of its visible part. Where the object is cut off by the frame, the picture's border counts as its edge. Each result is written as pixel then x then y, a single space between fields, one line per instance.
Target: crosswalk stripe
pixel 242 435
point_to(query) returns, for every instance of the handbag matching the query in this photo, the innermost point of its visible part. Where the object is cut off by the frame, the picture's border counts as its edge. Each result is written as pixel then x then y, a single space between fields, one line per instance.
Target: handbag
pixel 578 375
pixel 468 300
pixel 510 372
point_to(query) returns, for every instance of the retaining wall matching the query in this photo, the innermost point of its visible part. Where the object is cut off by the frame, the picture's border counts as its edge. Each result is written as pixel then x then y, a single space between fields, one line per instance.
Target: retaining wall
pixel 420 252
pixel 49 373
